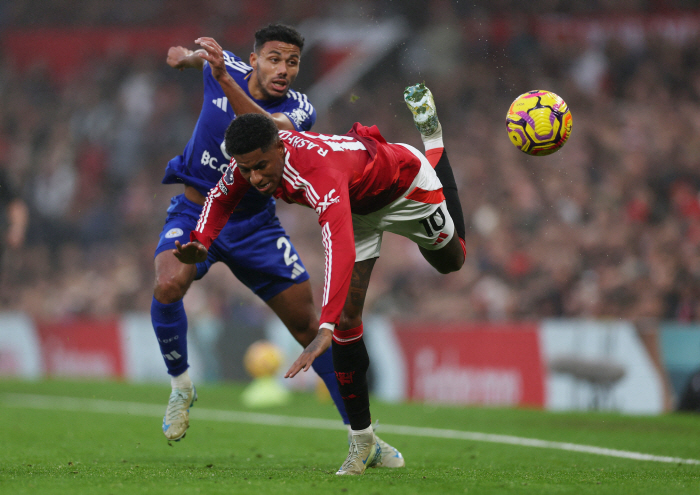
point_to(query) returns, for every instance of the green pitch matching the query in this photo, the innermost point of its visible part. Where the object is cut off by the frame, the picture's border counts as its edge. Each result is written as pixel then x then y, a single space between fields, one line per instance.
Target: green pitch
pixel 59 437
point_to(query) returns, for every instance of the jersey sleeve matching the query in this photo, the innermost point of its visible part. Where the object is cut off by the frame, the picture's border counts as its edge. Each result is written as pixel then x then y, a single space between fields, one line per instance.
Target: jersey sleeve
pixel 221 201
pixel 335 218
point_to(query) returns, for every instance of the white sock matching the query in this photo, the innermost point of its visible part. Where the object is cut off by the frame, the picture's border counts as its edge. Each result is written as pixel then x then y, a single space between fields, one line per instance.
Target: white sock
pixel 182 381
pixel 434 140
pixel 362 432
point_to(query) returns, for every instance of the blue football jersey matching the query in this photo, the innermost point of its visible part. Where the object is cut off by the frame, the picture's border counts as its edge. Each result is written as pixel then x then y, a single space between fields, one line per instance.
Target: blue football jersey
pixel 204 159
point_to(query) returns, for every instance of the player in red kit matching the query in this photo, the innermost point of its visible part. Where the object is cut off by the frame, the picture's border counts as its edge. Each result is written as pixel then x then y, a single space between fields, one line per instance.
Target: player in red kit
pixel 360 186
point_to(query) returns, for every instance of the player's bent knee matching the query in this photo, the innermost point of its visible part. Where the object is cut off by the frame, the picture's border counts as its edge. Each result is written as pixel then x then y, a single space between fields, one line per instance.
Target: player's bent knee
pixel 451 264
pixel 304 336
pixel 450 268
pixel 446 260
pixel 348 321
pixel 170 291
pixel 172 278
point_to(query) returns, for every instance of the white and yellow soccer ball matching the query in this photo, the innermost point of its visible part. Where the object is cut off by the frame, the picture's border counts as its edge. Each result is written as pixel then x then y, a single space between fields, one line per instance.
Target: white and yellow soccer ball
pixel 538 122
pixel 262 359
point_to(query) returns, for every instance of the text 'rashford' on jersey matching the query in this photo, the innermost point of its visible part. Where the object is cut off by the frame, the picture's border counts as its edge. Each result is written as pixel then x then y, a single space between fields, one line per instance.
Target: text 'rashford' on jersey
pixel 358 172
pixel 204 158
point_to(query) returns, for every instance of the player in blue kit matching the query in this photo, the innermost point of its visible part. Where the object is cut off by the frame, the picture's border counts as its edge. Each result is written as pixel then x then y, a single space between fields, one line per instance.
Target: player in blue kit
pixel 272 269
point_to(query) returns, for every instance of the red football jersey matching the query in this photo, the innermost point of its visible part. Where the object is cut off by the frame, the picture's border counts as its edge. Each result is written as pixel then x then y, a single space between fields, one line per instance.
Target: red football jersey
pixel 358 172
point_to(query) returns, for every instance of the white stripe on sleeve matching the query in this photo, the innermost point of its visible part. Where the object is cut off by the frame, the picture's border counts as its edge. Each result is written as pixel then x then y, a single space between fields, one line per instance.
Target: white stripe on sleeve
pixel 206 210
pixel 328 245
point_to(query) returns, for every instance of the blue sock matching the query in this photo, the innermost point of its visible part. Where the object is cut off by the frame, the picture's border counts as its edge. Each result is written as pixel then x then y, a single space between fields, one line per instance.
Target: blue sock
pixel 323 366
pixel 170 324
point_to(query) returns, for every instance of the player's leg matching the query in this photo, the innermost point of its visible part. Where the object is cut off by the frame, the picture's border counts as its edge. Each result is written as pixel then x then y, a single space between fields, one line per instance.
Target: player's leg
pixel 168 316
pixel 422 215
pixel 172 281
pixel 351 362
pixel 170 325
pixel 350 357
pixel 263 258
pixel 295 308
pixel 447 259
pixel 420 101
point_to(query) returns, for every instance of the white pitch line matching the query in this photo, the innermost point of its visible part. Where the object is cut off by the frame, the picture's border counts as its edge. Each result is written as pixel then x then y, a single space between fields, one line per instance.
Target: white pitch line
pixel 139 409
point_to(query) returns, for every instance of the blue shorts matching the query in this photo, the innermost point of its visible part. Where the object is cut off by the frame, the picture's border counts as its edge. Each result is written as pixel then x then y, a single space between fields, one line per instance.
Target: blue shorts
pixel 256 249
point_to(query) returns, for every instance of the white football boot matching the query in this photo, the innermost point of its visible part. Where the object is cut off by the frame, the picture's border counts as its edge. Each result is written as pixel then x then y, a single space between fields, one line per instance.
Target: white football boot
pixel 177 415
pixel 420 102
pixel 390 458
pixel 364 450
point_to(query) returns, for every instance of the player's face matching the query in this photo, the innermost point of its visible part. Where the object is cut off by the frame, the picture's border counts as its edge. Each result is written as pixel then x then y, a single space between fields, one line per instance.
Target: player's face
pixel 275 67
pixel 263 170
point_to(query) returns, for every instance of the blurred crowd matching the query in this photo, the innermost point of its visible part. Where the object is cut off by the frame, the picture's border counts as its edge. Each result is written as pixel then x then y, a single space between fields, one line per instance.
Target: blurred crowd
pixel 607 227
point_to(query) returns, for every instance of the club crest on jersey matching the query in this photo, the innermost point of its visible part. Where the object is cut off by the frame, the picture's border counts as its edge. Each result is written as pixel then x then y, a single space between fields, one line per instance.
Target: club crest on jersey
pixel 298 116
pixel 176 232
pixel 327 200
pixel 228 176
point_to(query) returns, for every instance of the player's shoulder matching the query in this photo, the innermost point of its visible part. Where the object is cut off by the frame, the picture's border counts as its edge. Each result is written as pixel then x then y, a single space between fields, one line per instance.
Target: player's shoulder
pixel 234 64
pixel 299 110
pixel 306 151
pixel 300 98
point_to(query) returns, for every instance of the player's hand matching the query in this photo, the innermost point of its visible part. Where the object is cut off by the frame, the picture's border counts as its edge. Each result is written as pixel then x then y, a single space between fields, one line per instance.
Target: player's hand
pixel 317 347
pixel 177 57
pixel 214 55
pixel 191 253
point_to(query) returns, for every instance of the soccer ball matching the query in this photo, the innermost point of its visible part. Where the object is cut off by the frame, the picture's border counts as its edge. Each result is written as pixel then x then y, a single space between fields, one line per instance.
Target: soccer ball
pixel 538 122
pixel 262 359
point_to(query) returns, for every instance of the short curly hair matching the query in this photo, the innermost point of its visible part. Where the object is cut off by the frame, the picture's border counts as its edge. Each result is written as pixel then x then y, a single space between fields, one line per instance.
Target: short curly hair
pixel 249 132
pixel 278 32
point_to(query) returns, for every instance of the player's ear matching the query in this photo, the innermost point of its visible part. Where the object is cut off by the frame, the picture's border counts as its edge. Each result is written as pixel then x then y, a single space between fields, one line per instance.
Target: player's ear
pixel 253 59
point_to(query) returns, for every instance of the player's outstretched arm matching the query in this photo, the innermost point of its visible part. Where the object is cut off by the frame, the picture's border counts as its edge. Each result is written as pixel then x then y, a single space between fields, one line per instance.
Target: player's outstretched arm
pixel 183 58
pixel 191 253
pixel 317 347
pixel 240 102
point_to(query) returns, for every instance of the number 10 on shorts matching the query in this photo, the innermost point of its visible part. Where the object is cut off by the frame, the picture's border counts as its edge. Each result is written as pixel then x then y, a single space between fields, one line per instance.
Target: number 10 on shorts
pixel 434 223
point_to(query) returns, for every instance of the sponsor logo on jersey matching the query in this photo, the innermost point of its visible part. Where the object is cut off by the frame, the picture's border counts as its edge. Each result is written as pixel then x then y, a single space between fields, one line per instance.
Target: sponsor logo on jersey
pixel 176 232
pixel 222 103
pixel 327 200
pixel 208 160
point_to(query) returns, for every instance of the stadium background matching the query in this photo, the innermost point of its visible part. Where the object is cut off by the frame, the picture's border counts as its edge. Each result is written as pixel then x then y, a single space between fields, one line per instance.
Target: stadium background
pixel 590 254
